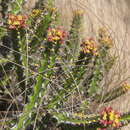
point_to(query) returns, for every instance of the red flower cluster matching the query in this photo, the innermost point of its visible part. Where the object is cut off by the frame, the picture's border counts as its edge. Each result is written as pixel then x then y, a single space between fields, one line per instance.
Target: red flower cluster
pixel 101 128
pixel 17 21
pixel 56 35
pixel 110 117
pixel 89 47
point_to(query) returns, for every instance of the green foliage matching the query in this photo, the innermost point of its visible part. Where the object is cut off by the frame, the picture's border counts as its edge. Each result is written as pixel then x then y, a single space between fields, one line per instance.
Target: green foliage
pixel 112 94
pixel 98 70
pixel 74 41
pixel 17 6
pixel 3 32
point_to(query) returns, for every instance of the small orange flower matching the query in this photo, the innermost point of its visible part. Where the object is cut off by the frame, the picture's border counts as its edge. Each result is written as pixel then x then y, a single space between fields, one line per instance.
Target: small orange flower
pixel 125 86
pixel 89 47
pixel 17 21
pixel 104 37
pixel 110 117
pixel 56 35
pixel 35 12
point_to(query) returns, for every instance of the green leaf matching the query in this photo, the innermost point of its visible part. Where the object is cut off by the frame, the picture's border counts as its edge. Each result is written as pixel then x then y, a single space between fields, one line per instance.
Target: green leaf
pixel 63 118
pixel 3 31
pixel 3 60
pixel 16 6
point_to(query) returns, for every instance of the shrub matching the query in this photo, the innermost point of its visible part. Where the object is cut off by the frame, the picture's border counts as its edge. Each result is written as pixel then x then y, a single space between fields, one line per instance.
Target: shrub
pixel 52 78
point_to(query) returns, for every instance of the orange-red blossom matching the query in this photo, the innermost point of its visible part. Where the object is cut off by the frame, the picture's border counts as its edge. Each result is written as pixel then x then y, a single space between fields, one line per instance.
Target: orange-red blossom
pixel 110 117
pixel 89 47
pixel 17 21
pixel 56 35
